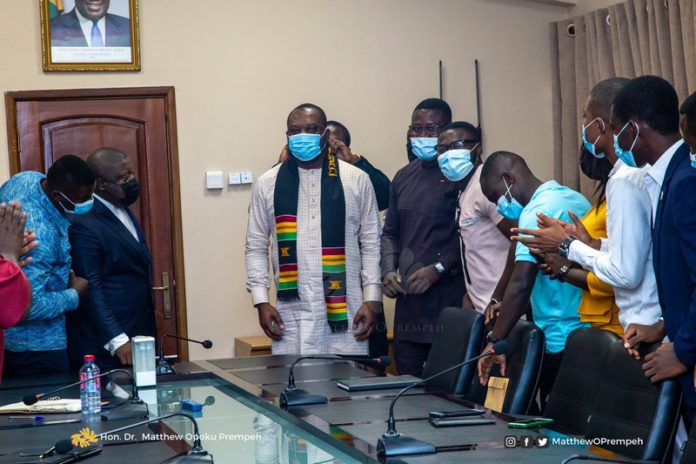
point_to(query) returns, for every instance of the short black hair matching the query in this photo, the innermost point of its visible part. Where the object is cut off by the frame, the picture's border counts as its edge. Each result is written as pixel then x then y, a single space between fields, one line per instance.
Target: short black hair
pixel 343 128
pixel 652 100
pixel 503 160
pixel 688 109
pixel 436 104
pixel 603 94
pixel 69 173
pixel 463 125
pixel 309 106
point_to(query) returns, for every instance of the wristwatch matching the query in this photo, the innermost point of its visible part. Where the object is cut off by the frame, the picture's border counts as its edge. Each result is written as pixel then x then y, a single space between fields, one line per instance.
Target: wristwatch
pixel 440 268
pixel 563 271
pixel 490 338
pixel 564 248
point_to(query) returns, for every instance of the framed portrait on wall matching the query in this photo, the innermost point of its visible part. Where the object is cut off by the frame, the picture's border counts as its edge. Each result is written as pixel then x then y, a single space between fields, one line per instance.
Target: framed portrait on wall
pixel 90 35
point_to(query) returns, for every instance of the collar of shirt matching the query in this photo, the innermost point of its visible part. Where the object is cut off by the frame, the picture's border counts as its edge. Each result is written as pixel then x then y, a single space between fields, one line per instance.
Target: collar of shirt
pixel 114 209
pixel 52 213
pixel 659 169
pixel 86 25
pixel 552 184
pixel 616 167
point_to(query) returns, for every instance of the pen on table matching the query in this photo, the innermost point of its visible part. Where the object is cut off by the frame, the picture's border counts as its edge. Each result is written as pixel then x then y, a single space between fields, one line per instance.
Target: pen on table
pixel 32 418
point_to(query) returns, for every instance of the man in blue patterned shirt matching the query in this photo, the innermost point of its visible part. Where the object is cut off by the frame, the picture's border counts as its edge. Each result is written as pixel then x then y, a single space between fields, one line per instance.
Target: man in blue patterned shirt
pixel 38 344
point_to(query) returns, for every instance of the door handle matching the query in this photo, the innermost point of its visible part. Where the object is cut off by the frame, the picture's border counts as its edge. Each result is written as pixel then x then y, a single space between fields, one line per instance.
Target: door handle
pixel 165 295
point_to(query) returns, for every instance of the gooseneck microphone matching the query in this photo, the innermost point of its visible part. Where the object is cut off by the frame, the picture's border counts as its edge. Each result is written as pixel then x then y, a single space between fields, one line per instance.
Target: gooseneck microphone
pixel 293 396
pixel 163 367
pixel 197 452
pixel 32 398
pixel 392 442
pixel 61 447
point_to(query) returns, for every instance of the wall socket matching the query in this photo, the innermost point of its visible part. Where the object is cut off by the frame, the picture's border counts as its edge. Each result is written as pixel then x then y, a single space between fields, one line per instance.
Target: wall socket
pixel 234 178
pixel 247 177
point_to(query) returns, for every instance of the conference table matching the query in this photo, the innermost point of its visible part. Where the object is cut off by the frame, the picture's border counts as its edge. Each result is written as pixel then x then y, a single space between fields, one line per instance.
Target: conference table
pixel 242 422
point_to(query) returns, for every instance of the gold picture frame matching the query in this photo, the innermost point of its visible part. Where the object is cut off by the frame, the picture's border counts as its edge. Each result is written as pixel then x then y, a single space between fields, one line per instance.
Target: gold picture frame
pixel 80 36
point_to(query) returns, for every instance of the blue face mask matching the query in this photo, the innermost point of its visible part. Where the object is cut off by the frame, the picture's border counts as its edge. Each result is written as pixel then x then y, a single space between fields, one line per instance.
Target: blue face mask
pixel 510 209
pixel 78 208
pixel 456 164
pixel 305 147
pixel 591 146
pixel 626 155
pixel 424 147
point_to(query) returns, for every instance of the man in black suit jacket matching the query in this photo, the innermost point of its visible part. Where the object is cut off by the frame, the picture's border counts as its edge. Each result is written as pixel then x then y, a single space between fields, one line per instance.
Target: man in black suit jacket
pixel 67 30
pixel 109 250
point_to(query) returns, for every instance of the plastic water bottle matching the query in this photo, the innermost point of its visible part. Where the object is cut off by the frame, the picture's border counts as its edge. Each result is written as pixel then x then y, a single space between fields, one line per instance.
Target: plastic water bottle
pixel 90 391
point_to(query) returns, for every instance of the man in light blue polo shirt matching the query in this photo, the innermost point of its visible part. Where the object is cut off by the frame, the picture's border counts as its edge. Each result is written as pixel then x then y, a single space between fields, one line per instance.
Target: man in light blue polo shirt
pixel 507 181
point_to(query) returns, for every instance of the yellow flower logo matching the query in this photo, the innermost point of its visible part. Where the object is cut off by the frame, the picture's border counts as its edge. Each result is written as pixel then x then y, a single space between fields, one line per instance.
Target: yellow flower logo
pixel 85 438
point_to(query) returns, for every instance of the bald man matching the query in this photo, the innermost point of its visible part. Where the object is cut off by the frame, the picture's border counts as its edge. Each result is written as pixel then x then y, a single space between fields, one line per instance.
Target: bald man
pixel 109 250
pixel 507 181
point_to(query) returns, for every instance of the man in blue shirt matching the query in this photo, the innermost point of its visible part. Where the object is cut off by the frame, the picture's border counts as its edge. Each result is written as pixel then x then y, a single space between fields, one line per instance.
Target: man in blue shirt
pixel 38 344
pixel 507 180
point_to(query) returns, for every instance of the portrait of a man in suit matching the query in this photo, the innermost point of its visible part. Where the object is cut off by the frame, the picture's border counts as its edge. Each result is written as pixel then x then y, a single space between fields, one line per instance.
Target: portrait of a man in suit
pixel 89 24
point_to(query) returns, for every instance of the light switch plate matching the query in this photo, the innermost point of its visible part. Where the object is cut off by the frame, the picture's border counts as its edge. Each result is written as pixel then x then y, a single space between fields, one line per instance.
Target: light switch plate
pixel 214 180
pixel 247 177
pixel 234 178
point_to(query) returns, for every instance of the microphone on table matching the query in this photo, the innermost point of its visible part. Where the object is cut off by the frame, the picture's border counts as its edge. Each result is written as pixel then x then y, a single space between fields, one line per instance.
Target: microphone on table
pixel 136 406
pixel 32 398
pixel 196 454
pixel 293 396
pixel 61 447
pixel 392 442
pixel 585 457
pixel 163 367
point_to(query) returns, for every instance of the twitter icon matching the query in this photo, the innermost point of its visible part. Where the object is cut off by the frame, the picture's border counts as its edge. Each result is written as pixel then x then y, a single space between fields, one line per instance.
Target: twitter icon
pixel 542 441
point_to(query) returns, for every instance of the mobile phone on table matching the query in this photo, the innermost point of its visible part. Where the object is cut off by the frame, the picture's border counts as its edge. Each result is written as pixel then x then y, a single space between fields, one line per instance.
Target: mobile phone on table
pixel 531 423
pixel 458 413
pixel 459 421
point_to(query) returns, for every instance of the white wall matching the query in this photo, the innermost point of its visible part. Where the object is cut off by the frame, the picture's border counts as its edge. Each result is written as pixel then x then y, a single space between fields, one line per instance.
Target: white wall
pixel 239 67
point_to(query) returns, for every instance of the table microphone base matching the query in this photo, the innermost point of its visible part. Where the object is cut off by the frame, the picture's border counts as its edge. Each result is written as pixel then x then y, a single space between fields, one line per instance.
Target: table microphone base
pixel 402 445
pixel 290 398
pixel 126 411
pixel 192 458
pixel 163 368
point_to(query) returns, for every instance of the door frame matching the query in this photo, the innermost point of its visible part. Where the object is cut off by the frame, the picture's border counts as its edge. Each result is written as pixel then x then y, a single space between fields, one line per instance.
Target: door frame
pixel 12 98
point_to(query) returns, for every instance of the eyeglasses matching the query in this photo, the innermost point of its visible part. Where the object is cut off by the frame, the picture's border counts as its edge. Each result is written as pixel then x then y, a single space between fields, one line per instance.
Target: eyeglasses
pixel 468 144
pixel 417 129
pixel 308 129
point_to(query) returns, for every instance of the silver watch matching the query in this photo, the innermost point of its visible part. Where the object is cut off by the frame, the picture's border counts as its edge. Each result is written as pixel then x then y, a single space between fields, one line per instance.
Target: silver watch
pixel 439 268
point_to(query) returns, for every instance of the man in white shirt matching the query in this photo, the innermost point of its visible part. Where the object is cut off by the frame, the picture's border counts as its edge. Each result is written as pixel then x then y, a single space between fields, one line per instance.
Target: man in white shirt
pixel 624 260
pixel 109 250
pixel 317 217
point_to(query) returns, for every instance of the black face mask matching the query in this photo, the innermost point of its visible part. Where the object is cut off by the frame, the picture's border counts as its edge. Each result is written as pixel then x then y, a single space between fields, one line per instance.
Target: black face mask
pixel 131 192
pixel 594 168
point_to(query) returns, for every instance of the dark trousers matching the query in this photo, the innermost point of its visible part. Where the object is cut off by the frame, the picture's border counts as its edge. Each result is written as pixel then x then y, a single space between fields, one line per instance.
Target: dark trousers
pixel 410 356
pixel 35 362
pixel 378 345
pixel 549 371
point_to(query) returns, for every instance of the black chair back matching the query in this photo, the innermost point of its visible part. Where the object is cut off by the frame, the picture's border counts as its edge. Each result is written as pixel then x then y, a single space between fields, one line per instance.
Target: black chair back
pixel 629 406
pixel 459 337
pixel 575 391
pixel 524 358
pixel 689 454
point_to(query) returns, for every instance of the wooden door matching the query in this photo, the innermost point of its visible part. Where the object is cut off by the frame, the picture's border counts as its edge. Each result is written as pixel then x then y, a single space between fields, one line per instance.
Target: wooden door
pixel 45 125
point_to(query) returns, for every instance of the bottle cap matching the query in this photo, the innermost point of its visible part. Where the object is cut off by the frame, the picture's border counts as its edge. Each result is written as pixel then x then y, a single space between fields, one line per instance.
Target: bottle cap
pixel 89 358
